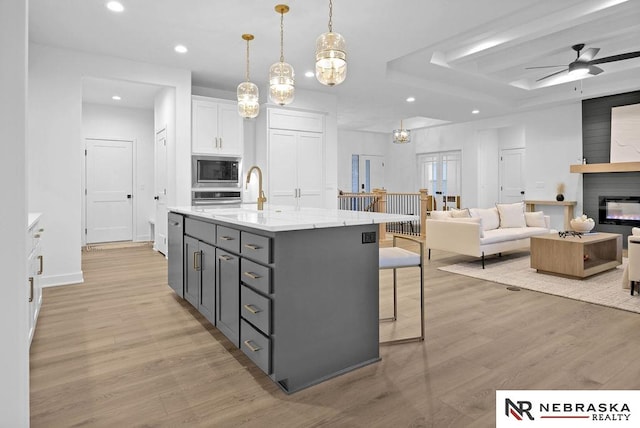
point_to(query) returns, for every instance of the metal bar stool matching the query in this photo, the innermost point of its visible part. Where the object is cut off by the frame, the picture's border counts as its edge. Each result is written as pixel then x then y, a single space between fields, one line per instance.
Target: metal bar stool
pixel 396 258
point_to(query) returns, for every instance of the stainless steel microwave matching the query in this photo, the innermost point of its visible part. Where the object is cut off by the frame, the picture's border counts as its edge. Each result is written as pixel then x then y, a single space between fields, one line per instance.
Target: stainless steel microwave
pixel 215 171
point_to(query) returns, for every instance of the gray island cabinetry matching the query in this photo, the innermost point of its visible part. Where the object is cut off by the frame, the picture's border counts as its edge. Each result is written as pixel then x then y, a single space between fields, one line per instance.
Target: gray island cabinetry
pixel 295 289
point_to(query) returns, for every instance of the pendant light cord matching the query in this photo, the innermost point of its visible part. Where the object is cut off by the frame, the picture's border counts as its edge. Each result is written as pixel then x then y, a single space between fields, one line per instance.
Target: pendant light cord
pixel 247 73
pixel 331 16
pixel 281 36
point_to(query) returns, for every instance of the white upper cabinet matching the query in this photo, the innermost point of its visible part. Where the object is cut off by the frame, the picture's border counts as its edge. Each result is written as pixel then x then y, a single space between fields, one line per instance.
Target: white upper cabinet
pixel 290 147
pixel 216 127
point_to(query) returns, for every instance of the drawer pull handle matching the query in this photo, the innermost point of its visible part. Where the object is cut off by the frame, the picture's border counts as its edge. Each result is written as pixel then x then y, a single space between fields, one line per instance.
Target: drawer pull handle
pixel 41 257
pixel 225 257
pixel 252 347
pixel 226 238
pixel 30 289
pixel 252 275
pixel 252 246
pixel 252 309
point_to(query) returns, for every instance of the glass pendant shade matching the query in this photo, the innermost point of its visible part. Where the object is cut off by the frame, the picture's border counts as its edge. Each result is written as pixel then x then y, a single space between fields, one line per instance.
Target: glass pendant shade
pixel 248 100
pixel 281 74
pixel 331 59
pixel 281 83
pixel 401 136
pixel 248 96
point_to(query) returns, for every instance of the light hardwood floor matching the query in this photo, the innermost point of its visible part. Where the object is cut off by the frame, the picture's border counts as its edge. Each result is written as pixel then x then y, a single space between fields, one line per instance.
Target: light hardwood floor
pixel 123 350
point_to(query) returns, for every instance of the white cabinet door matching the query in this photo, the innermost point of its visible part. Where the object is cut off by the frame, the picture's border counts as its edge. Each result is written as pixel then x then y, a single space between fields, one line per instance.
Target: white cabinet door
pixel 310 169
pixel 230 130
pixel 204 127
pixel 216 128
pixel 282 167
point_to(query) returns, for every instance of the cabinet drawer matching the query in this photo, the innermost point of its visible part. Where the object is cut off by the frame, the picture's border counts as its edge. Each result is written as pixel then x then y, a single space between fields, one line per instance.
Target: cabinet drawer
pixel 256 309
pixel 200 230
pixel 255 247
pixel 228 238
pixel 255 346
pixel 255 275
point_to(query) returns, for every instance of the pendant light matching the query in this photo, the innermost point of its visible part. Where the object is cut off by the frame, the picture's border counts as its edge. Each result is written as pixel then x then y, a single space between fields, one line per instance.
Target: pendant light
pixel 248 97
pixel 331 55
pixel 401 136
pixel 281 75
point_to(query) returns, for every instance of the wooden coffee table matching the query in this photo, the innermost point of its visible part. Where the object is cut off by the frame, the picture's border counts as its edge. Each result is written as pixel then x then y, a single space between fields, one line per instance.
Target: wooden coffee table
pixel 576 257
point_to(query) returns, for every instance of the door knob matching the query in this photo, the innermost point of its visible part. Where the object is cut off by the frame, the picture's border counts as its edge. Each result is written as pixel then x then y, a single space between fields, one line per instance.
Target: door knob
pixel 156 198
pixel 128 196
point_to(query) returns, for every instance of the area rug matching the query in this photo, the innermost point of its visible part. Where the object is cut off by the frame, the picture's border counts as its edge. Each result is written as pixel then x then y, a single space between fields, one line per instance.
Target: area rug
pixel 603 289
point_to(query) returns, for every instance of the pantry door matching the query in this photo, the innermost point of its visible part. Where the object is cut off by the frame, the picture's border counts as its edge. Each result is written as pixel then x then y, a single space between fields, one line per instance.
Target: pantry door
pixel 109 190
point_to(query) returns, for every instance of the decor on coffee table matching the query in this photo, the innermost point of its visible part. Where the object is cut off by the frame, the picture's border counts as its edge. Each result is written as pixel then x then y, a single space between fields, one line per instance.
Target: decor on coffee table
pixel 582 224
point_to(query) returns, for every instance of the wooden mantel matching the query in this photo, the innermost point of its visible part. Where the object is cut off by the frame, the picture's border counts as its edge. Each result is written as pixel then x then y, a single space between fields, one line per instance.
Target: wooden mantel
pixel 605 167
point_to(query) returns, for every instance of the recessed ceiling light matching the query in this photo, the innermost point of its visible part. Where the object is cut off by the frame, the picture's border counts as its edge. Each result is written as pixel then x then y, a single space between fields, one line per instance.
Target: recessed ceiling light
pixel 181 49
pixel 116 97
pixel 309 74
pixel 411 99
pixel 475 111
pixel 115 6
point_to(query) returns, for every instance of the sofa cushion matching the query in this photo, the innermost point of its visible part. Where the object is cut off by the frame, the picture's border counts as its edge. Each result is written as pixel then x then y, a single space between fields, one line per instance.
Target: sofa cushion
pixel 535 219
pixel 511 215
pixel 511 234
pixel 440 215
pixel 463 213
pixel 489 216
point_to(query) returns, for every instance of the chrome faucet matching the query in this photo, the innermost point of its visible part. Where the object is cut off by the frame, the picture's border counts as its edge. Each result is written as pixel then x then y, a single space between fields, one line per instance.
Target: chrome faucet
pixel 261 197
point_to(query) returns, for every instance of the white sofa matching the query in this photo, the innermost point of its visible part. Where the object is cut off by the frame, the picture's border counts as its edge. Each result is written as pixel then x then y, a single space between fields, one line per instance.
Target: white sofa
pixel 481 232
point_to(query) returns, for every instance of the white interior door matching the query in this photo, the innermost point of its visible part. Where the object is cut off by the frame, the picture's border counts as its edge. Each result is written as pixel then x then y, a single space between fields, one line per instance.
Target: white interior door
pixel 511 175
pixel 109 177
pixel 160 196
pixel 371 173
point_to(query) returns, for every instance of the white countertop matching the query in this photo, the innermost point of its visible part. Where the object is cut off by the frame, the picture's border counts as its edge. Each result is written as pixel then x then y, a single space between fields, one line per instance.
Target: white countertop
pixel 277 218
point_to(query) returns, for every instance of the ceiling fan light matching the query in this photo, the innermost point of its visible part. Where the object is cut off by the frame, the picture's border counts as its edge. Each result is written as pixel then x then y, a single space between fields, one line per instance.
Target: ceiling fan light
pixel 578 69
pixel 331 59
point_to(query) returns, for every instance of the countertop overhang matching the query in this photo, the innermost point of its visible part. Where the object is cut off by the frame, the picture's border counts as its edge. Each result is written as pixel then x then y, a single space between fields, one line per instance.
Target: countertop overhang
pixel 278 218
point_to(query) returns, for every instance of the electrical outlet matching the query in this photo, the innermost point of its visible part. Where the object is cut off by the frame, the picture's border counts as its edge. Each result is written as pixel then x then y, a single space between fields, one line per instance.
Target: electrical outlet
pixel 368 237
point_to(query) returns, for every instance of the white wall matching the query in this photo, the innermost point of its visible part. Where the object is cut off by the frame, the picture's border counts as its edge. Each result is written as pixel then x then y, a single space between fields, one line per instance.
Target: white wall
pixel 14 309
pixel 55 137
pixel 552 139
pixel 131 124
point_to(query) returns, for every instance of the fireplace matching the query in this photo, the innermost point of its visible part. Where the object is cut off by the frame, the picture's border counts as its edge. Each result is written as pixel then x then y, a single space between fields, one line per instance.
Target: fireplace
pixel 620 210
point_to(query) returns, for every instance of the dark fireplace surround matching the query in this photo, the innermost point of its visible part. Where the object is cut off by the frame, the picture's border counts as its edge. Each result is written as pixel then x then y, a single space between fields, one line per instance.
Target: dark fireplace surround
pixel 596 147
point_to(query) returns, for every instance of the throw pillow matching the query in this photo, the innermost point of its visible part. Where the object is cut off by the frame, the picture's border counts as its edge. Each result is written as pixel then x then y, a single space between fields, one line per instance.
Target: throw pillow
pixel 535 219
pixel 463 213
pixel 439 215
pixel 489 216
pixel 511 215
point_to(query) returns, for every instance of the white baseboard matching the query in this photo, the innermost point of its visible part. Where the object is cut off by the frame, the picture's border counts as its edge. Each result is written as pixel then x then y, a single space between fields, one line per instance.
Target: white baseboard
pixel 57 280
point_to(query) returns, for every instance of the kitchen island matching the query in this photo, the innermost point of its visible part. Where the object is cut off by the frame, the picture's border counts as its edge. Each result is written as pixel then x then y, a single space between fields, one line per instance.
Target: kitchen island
pixel 295 289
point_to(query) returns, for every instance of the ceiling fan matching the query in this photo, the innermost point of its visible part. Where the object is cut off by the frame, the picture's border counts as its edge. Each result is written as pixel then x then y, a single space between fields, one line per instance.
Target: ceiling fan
pixel 584 62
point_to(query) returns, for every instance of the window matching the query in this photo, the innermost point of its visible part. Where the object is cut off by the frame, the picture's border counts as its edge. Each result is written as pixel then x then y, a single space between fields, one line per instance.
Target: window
pixel 440 173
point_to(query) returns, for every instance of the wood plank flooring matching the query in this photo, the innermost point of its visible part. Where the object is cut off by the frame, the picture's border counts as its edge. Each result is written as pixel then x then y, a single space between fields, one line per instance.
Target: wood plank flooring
pixel 123 350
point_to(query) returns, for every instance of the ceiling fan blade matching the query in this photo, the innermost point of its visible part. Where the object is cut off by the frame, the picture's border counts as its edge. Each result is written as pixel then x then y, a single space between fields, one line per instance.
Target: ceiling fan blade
pixel 552 74
pixel 545 66
pixel 594 71
pixel 613 58
pixel 588 54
